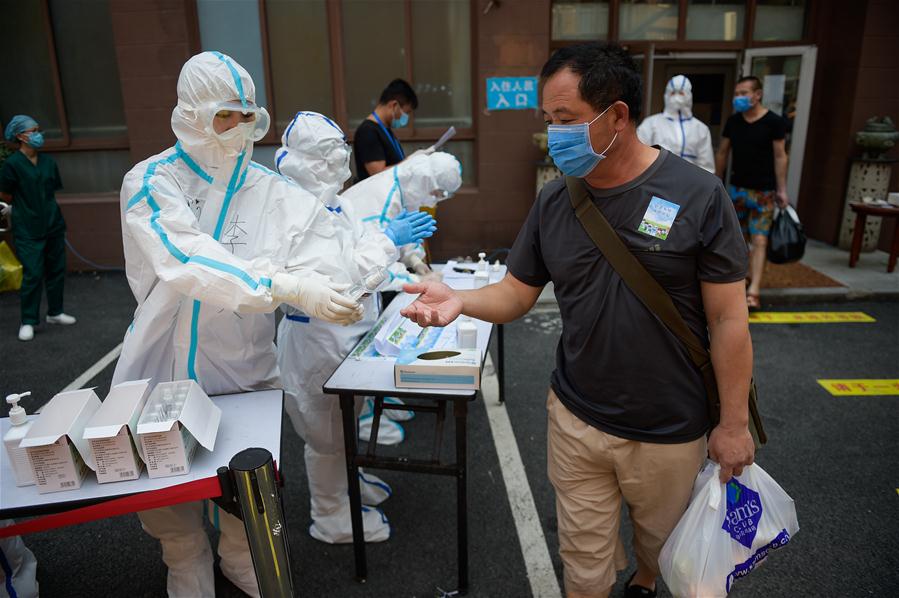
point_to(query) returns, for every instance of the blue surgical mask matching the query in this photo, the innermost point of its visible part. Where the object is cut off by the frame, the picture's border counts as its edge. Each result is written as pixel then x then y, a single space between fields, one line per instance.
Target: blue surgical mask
pixel 742 103
pixel 571 150
pixel 36 140
pixel 401 121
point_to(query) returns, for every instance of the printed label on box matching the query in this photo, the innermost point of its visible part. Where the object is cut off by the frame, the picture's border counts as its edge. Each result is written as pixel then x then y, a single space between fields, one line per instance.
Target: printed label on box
pixel 116 458
pixel 57 466
pixel 168 453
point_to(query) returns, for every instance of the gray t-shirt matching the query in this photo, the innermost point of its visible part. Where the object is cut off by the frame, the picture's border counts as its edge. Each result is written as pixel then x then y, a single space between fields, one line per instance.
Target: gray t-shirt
pixel 618 368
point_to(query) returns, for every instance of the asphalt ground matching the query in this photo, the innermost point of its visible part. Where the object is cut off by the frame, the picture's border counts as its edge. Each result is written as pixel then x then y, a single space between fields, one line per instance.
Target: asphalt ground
pixel 838 457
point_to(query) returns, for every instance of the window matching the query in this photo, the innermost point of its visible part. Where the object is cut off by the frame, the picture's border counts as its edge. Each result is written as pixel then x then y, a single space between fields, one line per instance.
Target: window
pixel 580 20
pixel 648 19
pixel 716 19
pixel 88 71
pixel 374 45
pixel 779 20
pixel 351 49
pixel 69 86
pixel 300 64
pixel 441 63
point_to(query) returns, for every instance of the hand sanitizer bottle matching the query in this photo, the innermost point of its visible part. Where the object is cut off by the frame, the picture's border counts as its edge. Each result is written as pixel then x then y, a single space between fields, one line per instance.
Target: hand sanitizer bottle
pixel 18 457
pixel 466 333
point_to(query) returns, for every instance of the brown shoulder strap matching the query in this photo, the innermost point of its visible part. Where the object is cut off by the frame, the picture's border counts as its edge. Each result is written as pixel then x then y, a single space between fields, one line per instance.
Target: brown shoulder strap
pixel 634 274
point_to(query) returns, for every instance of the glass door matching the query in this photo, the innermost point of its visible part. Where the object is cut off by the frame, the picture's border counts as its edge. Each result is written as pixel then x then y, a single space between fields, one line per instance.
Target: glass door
pixel 787 75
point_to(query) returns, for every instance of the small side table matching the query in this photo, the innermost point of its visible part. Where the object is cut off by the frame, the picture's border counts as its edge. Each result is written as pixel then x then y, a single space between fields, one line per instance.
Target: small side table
pixel 862 211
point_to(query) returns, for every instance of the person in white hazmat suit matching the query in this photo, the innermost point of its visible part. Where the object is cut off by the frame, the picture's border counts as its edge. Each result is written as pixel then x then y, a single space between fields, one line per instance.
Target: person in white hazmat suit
pixel 676 129
pixel 315 155
pixel 18 567
pixel 214 243
pixel 421 181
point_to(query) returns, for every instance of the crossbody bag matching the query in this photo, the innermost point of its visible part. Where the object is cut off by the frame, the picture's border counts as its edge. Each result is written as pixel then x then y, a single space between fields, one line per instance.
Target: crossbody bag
pixel 656 300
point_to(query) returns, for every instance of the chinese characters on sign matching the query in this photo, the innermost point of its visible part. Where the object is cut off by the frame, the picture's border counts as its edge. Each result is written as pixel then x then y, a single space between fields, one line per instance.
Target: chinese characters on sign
pixel 850 388
pixel 511 93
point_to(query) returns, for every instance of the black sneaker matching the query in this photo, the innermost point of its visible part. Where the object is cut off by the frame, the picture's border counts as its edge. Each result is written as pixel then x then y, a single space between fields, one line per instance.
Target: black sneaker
pixel 636 591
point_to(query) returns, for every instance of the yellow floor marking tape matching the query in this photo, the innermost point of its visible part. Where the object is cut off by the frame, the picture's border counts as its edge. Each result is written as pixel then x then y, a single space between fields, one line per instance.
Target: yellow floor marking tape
pixel 854 388
pixel 808 317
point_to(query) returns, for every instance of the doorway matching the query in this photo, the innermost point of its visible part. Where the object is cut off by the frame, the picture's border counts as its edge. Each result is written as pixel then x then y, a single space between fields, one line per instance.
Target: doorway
pixel 712 78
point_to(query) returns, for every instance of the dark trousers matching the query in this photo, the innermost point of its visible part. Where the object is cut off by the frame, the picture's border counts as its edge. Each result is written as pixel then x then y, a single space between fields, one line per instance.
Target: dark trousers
pixel 42 259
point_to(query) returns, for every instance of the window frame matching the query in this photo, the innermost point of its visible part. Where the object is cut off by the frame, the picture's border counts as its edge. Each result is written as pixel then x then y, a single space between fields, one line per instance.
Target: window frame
pixel 67 143
pixel 683 44
pixel 410 133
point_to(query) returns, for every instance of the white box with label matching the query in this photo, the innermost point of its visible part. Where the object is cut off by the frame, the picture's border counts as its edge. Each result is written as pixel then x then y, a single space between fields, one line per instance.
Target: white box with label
pixel 177 418
pixel 56 447
pixel 442 369
pixel 112 433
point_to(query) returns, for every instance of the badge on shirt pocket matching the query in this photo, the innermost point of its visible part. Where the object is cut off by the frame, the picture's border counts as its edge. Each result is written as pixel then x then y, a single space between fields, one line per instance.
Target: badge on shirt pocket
pixel 658 218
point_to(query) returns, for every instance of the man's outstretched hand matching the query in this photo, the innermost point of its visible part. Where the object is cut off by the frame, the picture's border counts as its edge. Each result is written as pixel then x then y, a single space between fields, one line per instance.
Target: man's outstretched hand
pixel 437 305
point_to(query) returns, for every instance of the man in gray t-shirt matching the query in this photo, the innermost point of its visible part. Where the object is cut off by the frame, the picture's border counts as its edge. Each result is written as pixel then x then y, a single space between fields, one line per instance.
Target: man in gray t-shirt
pixel 650 392
pixel 627 415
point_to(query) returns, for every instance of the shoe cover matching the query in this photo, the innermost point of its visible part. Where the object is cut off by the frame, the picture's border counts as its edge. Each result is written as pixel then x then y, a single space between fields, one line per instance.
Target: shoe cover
pixel 397 416
pixel 374 489
pixel 389 432
pixel 337 528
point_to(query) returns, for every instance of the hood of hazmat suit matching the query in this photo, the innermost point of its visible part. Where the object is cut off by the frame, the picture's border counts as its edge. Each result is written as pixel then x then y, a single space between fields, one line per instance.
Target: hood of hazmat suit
pixel 315 155
pixel 676 129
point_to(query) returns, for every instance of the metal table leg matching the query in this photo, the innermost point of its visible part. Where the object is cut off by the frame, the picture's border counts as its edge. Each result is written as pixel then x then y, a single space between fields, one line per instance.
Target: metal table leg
pixel 501 359
pixel 460 411
pixel 350 443
pixel 259 499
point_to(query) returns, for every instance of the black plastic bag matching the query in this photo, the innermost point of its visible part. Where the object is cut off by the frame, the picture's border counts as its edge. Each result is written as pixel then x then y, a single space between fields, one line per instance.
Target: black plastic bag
pixel 786 242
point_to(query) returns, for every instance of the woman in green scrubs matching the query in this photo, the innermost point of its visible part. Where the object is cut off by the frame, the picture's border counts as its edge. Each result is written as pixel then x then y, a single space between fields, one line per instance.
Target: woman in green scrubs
pixel 28 183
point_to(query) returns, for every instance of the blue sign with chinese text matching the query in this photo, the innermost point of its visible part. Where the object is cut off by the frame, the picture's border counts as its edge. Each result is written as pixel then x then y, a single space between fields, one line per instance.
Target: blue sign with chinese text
pixel 511 93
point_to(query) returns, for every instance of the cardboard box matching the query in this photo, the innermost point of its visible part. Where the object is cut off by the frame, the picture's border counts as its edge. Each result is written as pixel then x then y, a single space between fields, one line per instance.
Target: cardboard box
pixel 169 434
pixel 112 431
pixel 447 369
pixel 56 447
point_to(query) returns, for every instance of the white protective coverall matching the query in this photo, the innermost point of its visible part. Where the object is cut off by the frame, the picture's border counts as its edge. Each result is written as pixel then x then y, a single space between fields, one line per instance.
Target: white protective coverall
pixel 18 567
pixel 420 181
pixel 315 155
pixel 209 238
pixel 676 129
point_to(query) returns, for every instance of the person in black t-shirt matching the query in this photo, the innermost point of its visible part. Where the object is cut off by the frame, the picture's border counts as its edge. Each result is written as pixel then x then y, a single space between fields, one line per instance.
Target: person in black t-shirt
pixel 627 418
pixel 758 177
pixel 374 144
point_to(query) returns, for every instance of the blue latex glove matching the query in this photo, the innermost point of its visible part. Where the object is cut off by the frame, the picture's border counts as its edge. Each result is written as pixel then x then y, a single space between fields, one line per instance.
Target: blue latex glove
pixel 410 227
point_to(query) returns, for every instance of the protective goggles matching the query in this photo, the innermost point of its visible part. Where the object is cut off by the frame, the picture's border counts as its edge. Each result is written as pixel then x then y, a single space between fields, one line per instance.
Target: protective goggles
pixel 224 112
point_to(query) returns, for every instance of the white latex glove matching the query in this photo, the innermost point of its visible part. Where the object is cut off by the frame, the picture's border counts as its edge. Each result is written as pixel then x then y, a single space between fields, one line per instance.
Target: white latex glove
pixel 319 300
pixel 5 209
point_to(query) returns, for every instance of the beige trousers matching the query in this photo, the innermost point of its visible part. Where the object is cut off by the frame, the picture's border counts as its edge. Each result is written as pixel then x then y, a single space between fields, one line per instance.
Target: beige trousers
pixel 591 472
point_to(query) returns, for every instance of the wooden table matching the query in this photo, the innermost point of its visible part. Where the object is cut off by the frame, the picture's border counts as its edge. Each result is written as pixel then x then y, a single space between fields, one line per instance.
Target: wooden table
pixel 862 211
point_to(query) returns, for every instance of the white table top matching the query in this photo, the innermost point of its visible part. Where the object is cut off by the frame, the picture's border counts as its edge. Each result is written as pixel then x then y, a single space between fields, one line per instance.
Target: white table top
pixel 249 420
pixel 376 377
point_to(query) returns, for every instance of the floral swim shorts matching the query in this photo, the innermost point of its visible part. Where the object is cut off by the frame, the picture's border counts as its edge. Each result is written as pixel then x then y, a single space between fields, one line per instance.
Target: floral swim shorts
pixel 755 209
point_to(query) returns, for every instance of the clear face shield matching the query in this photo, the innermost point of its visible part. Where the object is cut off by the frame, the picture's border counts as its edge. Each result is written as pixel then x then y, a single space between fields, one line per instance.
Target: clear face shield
pixel 229 120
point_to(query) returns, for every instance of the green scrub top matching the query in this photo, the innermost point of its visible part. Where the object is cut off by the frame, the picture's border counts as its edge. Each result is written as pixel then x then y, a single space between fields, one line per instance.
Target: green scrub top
pixel 35 215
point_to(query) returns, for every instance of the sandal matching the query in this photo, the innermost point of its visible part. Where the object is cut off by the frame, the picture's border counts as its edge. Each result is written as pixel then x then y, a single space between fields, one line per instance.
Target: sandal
pixel 753 302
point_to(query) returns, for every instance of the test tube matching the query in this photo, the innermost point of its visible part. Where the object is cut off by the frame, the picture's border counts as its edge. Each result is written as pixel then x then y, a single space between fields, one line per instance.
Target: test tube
pixel 373 279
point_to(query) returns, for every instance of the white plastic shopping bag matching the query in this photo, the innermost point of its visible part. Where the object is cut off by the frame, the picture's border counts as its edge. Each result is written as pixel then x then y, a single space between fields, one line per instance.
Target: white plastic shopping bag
pixel 727 531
